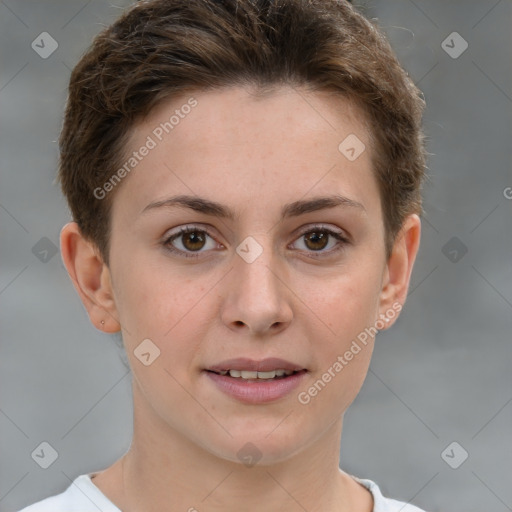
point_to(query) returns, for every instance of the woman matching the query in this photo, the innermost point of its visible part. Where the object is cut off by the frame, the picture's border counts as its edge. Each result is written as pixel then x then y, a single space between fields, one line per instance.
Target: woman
pixel 244 179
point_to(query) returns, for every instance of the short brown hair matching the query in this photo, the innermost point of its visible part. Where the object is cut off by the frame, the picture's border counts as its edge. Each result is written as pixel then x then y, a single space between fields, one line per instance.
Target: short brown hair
pixel 161 48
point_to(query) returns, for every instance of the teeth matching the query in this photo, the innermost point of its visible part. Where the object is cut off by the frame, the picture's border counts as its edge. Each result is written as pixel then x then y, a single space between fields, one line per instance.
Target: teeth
pixel 266 375
pixel 248 375
pixel 245 374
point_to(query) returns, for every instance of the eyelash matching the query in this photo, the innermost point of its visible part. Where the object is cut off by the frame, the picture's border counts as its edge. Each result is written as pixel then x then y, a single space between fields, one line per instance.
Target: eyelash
pixel 191 229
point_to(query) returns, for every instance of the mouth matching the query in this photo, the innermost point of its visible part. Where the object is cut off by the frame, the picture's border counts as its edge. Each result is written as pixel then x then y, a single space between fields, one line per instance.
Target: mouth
pixel 256 382
pixel 250 369
pixel 249 375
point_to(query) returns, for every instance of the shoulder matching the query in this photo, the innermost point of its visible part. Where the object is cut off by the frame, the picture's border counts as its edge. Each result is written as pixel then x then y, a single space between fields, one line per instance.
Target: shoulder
pixel 81 496
pixel 383 504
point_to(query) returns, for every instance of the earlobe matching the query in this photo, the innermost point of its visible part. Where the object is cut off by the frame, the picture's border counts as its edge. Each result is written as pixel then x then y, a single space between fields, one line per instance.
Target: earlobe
pixel 398 270
pixel 90 276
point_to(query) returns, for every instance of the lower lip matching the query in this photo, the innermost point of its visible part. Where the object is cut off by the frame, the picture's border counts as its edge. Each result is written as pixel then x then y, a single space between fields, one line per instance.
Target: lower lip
pixel 256 392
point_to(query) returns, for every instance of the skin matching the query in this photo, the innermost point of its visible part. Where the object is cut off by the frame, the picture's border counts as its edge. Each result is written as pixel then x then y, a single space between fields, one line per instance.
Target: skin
pixel 253 155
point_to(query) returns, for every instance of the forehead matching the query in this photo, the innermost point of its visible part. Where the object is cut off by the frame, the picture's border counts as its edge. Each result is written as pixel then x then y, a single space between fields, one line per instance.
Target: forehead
pixel 235 115
pixel 242 147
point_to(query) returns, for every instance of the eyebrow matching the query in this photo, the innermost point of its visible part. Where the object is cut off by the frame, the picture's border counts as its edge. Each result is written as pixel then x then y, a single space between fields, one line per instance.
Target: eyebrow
pixel 215 209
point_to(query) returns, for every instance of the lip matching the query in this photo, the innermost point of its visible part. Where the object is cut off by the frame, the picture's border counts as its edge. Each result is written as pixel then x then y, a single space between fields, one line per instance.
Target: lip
pixel 265 365
pixel 256 392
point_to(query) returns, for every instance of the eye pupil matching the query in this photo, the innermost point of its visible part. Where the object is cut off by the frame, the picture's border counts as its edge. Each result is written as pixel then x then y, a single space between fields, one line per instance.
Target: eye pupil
pixel 194 238
pixel 315 237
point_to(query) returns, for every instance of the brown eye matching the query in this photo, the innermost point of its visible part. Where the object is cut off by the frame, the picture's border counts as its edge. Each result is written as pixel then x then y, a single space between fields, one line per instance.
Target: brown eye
pixel 193 240
pixel 188 241
pixel 317 240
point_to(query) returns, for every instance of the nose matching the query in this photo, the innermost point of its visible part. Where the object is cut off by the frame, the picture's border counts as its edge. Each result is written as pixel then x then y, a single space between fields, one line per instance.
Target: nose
pixel 257 296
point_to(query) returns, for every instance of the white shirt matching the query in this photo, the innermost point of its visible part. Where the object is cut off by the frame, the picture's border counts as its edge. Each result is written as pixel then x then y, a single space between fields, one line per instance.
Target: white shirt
pixel 83 496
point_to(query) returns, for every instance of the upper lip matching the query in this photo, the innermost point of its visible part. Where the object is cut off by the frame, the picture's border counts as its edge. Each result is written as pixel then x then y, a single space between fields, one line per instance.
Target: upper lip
pixel 265 365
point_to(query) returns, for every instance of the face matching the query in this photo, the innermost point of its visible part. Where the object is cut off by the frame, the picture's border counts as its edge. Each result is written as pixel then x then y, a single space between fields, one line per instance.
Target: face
pixel 284 276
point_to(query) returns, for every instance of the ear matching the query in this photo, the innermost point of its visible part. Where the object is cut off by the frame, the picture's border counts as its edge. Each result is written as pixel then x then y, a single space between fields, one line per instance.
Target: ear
pixel 397 274
pixel 90 276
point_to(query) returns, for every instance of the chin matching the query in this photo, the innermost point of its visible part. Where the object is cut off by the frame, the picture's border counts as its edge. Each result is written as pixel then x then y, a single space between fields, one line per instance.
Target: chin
pixel 258 446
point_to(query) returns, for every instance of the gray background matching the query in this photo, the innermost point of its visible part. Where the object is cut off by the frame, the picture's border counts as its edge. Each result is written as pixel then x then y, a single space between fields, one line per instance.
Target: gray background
pixel 442 374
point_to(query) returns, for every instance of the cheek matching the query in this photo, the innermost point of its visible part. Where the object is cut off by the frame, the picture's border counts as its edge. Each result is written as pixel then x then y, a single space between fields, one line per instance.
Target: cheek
pixel 345 304
pixel 151 297
pixel 343 356
pixel 164 306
